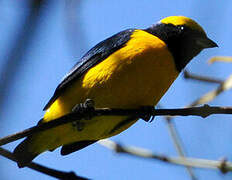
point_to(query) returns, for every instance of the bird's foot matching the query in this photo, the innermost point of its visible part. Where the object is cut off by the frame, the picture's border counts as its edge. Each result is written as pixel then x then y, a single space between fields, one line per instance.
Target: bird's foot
pixel 147 113
pixel 86 108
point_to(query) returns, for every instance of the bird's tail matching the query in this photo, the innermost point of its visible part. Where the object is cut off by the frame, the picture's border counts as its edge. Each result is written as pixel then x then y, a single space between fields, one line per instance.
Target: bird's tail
pixel 22 153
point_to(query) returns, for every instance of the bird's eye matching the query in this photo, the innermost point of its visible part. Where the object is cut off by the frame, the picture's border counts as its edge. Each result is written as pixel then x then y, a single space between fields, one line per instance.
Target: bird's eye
pixel 181 28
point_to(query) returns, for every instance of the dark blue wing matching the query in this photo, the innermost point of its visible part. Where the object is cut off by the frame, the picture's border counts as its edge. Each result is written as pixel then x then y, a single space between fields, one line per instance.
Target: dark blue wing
pixel 94 56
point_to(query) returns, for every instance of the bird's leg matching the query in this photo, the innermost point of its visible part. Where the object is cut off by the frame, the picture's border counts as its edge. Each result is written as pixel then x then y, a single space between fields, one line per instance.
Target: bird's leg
pixel 85 108
pixel 147 113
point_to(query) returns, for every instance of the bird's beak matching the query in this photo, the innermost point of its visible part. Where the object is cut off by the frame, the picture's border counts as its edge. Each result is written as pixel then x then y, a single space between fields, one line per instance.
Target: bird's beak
pixel 205 42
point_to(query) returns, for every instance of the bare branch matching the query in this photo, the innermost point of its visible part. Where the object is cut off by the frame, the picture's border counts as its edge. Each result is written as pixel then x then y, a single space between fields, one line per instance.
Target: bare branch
pixel 202 111
pixel 220 59
pixel 188 75
pixel 223 165
pixel 177 143
pixel 45 170
pixel 225 86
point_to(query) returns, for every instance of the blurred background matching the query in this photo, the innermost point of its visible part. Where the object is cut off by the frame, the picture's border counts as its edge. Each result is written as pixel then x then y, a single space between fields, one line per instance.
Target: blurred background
pixel 41 40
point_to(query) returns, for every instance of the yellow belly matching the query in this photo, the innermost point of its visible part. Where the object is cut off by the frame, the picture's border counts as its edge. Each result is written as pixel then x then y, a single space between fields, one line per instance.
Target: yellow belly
pixel 136 75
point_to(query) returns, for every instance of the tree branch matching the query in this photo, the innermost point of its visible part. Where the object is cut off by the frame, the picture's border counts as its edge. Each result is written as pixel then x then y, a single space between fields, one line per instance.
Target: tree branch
pixel 220 58
pixel 178 145
pixel 45 170
pixel 223 165
pixel 177 142
pixel 202 111
pixel 225 86
pixel 188 75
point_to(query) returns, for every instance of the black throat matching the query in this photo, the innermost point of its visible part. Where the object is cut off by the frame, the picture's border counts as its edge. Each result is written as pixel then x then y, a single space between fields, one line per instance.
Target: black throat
pixel 181 45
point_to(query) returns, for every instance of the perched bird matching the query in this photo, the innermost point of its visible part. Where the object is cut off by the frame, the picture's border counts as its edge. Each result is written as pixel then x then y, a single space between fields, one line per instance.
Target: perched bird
pixel 131 69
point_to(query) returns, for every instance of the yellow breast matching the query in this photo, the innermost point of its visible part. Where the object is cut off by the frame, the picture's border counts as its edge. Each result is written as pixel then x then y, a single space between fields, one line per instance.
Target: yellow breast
pixel 136 75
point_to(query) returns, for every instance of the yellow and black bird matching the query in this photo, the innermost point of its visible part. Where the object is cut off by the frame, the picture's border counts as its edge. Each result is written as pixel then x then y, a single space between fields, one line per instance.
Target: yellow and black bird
pixel 131 69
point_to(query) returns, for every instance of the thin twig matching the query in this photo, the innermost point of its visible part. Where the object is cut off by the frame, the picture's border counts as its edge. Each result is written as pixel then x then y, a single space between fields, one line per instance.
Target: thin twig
pixel 188 75
pixel 225 86
pixel 202 111
pixel 176 141
pixel 220 58
pixel 211 95
pixel 179 147
pixel 223 165
pixel 45 170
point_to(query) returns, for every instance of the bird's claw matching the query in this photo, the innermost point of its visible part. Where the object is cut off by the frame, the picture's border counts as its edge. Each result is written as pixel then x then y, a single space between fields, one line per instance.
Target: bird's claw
pixel 85 108
pixel 147 113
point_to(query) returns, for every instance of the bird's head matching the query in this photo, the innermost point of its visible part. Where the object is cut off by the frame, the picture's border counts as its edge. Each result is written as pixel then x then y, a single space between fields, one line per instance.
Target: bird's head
pixel 184 37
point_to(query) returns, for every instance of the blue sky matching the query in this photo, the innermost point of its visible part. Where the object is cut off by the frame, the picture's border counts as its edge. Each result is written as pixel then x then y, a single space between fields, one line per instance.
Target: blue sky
pixel 55 49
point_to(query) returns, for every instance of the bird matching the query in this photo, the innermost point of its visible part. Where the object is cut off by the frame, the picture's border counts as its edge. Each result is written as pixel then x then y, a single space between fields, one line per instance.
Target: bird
pixel 131 69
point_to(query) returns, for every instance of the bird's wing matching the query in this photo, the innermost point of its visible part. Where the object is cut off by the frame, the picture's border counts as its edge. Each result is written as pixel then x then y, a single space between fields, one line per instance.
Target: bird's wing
pixel 94 56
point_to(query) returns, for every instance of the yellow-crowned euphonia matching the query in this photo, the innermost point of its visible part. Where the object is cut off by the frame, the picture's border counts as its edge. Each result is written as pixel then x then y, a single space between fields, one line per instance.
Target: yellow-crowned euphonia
pixel 133 68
